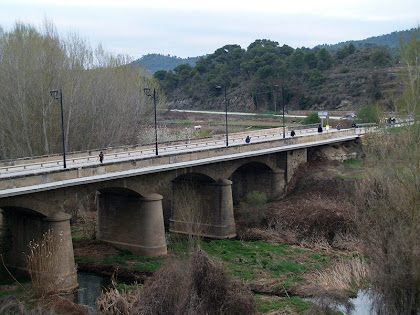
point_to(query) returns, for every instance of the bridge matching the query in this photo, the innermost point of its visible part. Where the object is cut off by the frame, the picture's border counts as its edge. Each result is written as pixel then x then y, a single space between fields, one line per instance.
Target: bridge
pixel 190 188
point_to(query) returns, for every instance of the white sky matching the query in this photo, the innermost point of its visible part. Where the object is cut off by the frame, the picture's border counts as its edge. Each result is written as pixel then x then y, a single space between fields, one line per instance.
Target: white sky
pixel 186 28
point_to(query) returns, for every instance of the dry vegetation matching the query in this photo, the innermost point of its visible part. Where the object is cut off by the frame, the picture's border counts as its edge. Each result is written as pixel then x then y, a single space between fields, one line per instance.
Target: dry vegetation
pixel 198 286
pixel 315 213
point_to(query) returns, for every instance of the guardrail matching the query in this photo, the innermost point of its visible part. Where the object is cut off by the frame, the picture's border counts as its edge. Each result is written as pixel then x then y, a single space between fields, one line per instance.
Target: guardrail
pixel 235 139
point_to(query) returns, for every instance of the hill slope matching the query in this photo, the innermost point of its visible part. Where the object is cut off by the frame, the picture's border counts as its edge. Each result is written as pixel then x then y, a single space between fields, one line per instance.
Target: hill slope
pixel 156 62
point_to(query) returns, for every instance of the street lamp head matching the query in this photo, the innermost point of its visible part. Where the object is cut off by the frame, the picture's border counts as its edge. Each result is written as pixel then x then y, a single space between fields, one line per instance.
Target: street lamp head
pixel 54 93
pixel 146 91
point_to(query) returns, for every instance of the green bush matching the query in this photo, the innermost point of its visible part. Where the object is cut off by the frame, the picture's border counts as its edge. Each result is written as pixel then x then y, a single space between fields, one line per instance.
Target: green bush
pixel 311 119
pixel 369 114
pixel 252 210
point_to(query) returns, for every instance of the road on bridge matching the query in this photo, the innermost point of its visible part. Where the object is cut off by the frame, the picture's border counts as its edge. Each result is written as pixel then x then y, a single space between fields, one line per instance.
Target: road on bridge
pixel 25 166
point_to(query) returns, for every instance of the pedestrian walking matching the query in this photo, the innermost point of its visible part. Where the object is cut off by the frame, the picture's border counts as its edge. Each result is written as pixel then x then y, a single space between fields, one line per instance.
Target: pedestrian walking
pixel 248 139
pixel 338 127
pixel 293 133
pixel 101 157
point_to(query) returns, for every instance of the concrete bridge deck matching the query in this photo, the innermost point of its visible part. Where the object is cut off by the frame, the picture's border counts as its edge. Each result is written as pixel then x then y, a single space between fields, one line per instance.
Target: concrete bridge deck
pixel 38 176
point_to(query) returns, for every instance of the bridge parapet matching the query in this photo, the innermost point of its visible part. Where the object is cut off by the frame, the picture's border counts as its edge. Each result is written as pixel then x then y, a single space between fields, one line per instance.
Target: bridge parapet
pixel 44 179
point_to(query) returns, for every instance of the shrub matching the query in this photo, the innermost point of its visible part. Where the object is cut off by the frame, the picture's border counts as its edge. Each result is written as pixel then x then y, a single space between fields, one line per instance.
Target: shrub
pixel 311 119
pixel 201 286
pixel 252 210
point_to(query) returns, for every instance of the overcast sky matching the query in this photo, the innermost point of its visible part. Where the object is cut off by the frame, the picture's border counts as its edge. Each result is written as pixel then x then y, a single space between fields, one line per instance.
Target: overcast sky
pixel 187 28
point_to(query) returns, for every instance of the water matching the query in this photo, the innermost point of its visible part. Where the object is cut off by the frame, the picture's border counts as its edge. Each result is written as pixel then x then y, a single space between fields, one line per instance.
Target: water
pixel 90 287
pixel 362 304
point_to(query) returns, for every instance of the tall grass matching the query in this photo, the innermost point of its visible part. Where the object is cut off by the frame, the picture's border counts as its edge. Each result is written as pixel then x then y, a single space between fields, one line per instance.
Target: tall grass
pixel 44 264
pixel 346 275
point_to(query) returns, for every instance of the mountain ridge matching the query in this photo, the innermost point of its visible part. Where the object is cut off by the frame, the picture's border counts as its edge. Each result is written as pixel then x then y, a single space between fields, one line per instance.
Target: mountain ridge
pixel 155 62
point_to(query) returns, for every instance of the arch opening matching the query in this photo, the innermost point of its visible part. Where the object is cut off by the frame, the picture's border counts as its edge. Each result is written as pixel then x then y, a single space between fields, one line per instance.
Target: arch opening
pixel 193 198
pixel 252 176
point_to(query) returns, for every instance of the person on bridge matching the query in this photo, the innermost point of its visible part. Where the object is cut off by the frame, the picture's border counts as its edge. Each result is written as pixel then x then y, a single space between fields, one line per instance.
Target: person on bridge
pixel 319 128
pixel 293 133
pixel 338 127
pixel 101 157
pixel 248 139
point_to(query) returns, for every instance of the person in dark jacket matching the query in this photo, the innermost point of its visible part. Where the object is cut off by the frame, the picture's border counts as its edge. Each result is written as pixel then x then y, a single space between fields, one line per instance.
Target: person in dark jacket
pixel 248 139
pixel 319 128
pixel 292 133
pixel 101 157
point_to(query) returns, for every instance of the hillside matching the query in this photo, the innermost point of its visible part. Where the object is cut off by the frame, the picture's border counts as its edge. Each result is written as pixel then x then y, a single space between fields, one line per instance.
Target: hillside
pixel 388 40
pixel 156 62
pixel 265 76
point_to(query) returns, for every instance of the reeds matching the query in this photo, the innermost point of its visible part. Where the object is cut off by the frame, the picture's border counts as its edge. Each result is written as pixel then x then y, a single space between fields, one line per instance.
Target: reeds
pixel 344 276
pixel 44 264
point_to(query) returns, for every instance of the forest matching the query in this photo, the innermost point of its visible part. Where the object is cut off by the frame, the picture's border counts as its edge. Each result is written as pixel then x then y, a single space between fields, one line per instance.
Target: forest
pixel 266 75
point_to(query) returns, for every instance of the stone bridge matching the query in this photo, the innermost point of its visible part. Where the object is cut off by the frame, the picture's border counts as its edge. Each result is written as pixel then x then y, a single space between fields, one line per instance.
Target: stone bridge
pixel 190 191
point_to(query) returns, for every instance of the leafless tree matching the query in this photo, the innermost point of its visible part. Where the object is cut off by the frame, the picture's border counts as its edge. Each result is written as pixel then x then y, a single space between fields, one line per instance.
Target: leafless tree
pixel 103 99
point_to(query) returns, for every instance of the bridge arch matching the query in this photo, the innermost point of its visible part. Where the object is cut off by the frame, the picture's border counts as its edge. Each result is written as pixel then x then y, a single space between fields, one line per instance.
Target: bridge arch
pixel 21 225
pixel 131 221
pixel 202 206
pixel 256 176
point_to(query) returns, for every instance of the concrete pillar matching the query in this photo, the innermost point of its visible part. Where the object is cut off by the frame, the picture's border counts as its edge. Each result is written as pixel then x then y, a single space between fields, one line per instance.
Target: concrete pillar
pixel 132 222
pixel 59 224
pixel 223 221
pixel 278 183
pixel 20 228
pixel 294 159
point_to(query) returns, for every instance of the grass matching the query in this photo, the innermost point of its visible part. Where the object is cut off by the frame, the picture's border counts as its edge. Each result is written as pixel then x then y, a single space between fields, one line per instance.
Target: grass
pixel 353 164
pixel 281 267
pixel 9 292
pixel 86 260
pixel 267 304
pixel 248 260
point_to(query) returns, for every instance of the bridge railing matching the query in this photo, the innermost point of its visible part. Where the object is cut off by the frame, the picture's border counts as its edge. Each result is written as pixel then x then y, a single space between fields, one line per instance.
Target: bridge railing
pixel 217 141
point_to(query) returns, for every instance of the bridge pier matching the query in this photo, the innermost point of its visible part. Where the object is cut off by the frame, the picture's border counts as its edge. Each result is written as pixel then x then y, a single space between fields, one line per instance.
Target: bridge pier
pixel 294 159
pixel 20 228
pixel 209 214
pixel 223 219
pixel 278 183
pixel 132 222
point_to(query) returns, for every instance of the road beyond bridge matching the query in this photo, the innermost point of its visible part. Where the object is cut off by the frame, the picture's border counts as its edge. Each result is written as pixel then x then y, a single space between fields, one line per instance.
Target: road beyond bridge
pixel 189 188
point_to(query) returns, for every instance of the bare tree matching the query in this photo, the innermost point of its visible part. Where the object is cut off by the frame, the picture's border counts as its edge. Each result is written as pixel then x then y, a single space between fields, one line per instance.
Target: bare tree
pixel 388 199
pixel 191 212
pixel 103 99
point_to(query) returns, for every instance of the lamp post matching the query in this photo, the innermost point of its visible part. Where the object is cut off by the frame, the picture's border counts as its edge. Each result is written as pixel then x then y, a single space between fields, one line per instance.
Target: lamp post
pixel 275 87
pixel 58 95
pixel 226 115
pixel 146 91
pixel 282 102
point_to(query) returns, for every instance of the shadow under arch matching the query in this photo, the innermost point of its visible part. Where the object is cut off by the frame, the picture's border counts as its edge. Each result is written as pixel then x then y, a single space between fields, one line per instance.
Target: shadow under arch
pixel 202 206
pixel 252 176
pixel 131 221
